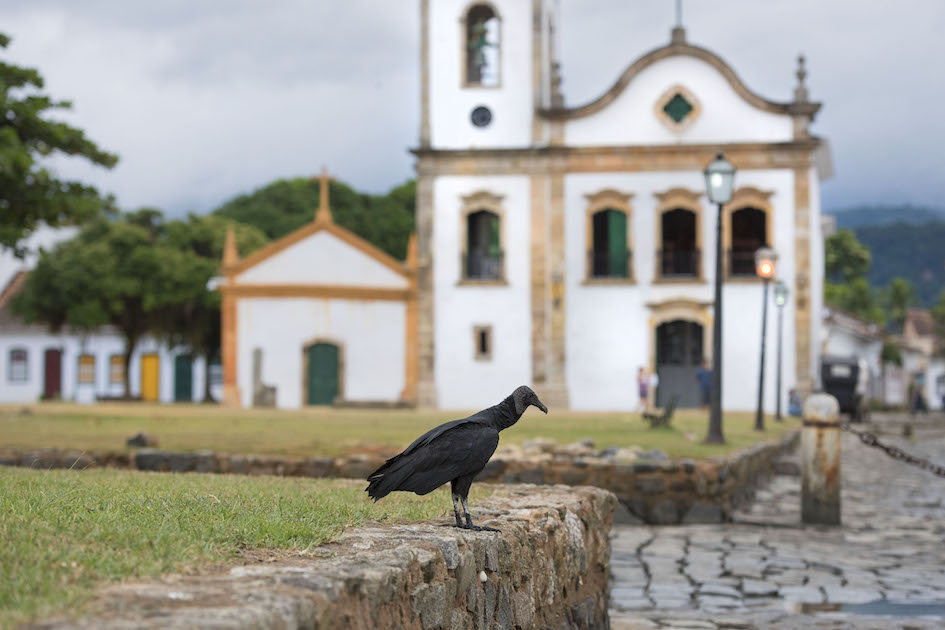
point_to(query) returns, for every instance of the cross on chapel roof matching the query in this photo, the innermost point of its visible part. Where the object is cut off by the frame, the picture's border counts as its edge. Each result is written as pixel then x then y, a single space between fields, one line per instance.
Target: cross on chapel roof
pixel 323 214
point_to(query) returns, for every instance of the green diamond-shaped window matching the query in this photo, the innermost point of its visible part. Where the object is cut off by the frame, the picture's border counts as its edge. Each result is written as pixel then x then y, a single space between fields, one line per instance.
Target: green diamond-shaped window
pixel 677 108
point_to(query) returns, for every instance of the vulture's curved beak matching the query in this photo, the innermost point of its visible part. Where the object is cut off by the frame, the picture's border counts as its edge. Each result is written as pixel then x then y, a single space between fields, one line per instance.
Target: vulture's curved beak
pixel 541 406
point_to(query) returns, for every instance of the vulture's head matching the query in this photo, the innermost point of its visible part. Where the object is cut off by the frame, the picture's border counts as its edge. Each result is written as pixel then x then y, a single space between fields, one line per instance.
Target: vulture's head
pixel 523 397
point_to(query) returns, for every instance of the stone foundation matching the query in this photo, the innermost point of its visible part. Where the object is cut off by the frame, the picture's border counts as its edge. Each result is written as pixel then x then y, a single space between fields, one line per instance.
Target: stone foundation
pixel 652 491
pixel 548 568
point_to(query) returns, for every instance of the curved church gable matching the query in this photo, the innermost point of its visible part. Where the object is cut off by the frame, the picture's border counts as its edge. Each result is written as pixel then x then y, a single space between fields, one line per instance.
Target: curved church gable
pixel 679 94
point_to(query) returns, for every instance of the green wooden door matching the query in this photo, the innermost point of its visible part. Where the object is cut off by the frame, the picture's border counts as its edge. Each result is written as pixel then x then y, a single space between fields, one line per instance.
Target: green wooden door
pixel 617 243
pixel 322 373
pixel 183 378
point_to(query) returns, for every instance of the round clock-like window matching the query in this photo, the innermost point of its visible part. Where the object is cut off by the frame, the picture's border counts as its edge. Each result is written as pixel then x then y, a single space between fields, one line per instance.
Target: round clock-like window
pixel 481 116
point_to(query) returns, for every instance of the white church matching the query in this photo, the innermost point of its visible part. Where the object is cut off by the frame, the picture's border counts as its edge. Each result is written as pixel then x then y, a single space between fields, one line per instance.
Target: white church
pixel 567 247
pixel 562 247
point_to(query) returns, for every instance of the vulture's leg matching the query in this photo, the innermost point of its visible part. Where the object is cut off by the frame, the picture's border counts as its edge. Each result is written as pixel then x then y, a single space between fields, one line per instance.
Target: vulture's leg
pixel 469 523
pixel 456 500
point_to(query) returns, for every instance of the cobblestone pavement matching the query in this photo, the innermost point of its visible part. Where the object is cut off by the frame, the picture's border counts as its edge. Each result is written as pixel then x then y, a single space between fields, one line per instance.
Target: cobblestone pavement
pixel 883 568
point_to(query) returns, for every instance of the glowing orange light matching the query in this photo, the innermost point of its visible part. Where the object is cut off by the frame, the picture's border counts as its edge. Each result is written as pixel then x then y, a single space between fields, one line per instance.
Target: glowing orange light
pixel 766 269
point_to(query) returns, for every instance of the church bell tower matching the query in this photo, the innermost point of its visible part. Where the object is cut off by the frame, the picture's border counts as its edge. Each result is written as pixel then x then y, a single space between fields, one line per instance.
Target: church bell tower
pixel 486 68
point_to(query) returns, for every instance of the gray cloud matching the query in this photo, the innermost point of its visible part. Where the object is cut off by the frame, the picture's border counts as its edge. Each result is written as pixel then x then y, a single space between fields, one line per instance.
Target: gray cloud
pixel 205 100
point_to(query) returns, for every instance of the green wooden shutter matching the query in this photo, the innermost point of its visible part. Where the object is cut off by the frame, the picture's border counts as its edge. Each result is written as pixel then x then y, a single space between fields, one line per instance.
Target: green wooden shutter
pixel 617 243
pixel 492 244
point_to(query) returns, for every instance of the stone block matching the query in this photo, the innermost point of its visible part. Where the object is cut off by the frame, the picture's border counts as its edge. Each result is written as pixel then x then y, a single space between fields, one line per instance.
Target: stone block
pixel 532 475
pixel 429 603
pixel 664 512
pixel 701 512
pixel 650 485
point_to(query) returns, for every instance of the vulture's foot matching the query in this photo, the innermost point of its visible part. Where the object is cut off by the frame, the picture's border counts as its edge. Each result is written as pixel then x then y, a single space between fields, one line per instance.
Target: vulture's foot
pixel 476 528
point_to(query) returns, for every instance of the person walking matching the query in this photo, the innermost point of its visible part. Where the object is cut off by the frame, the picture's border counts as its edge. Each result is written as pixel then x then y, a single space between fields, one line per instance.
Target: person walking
pixel 704 379
pixel 643 389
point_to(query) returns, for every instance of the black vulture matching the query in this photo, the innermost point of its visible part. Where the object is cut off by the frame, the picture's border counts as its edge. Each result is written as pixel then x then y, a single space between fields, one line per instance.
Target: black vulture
pixel 454 452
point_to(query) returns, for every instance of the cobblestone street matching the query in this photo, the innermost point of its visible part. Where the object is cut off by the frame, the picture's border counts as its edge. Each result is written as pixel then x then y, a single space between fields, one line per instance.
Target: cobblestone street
pixel 883 568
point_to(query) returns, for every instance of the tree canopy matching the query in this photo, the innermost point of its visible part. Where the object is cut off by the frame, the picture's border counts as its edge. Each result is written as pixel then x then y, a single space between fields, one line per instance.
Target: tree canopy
pixel 30 193
pixel 846 258
pixel 287 204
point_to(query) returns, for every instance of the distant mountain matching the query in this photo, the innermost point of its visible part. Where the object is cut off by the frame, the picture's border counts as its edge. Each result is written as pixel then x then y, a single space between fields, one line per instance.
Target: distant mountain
pixel 854 217
pixel 914 252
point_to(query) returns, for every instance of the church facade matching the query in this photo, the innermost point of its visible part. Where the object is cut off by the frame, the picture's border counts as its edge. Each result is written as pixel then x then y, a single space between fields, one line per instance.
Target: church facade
pixel 568 247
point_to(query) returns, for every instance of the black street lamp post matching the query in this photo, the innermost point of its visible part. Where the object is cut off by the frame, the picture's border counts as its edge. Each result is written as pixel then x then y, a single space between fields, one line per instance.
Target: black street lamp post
pixel 719 183
pixel 780 299
pixel 765 259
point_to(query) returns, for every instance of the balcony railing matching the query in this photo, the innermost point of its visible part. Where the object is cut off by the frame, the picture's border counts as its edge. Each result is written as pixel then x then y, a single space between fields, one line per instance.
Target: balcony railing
pixel 678 263
pixel 609 264
pixel 480 265
pixel 741 263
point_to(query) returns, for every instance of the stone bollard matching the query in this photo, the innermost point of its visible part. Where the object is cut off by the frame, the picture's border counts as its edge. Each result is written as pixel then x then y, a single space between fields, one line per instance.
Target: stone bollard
pixel 820 461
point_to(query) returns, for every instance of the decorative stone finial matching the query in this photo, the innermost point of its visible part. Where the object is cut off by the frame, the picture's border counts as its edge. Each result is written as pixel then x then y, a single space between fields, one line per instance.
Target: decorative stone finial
pixel 323 214
pixel 557 98
pixel 231 255
pixel 800 92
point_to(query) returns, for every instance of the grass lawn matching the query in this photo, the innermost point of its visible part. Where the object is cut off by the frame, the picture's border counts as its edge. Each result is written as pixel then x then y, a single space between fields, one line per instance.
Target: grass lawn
pixel 63 532
pixel 333 432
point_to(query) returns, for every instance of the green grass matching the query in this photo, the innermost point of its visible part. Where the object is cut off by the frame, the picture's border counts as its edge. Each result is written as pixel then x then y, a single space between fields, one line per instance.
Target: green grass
pixel 63 532
pixel 333 432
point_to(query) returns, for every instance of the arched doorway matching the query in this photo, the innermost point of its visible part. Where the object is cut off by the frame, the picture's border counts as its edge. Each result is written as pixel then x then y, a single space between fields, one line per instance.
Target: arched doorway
pixel 679 352
pixel 323 373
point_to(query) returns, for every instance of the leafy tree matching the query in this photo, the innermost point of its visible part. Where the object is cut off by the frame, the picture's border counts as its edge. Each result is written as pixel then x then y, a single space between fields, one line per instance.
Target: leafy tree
pixel 856 297
pixel 913 252
pixel 285 205
pixel 899 296
pixel 195 320
pixel 30 194
pixel 891 353
pixel 846 258
pixel 115 272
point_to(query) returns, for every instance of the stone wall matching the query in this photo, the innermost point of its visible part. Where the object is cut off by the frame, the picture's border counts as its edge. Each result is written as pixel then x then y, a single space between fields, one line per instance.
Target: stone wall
pixel 548 568
pixel 656 491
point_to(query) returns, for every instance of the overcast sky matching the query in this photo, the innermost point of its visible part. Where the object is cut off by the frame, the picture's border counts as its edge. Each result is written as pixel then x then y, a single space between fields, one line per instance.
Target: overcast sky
pixel 207 99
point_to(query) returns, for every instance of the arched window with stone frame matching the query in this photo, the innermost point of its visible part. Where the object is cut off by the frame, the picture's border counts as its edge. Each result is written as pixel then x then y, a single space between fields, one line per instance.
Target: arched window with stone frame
pixel 482 238
pixel 481 45
pixel 609 251
pixel 679 234
pixel 747 229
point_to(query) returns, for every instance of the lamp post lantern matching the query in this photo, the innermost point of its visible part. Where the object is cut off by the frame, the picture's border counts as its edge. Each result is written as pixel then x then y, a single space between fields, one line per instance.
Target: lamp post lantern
pixel 719 183
pixel 780 299
pixel 765 260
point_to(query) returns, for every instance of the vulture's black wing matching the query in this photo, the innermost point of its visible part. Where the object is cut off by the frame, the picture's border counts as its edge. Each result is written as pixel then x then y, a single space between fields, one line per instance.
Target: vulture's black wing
pixel 451 450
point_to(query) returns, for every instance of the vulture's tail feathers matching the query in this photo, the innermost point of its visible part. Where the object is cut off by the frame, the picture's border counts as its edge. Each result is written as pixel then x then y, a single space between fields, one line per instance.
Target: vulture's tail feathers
pixel 388 477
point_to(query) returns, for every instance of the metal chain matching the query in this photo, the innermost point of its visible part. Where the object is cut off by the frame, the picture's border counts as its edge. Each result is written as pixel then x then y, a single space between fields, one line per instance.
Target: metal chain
pixel 870 439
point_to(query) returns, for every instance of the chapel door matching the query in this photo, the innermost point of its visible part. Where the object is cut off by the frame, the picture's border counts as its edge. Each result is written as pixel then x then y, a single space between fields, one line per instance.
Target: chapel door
pixel 52 373
pixel 183 378
pixel 323 368
pixel 678 354
pixel 150 377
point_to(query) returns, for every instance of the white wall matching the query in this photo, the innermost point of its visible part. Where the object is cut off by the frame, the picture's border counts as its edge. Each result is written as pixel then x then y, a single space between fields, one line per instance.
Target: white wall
pixel 461 381
pixel 372 336
pixel 323 258
pixel 631 118
pixel 451 103
pixel 608 327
